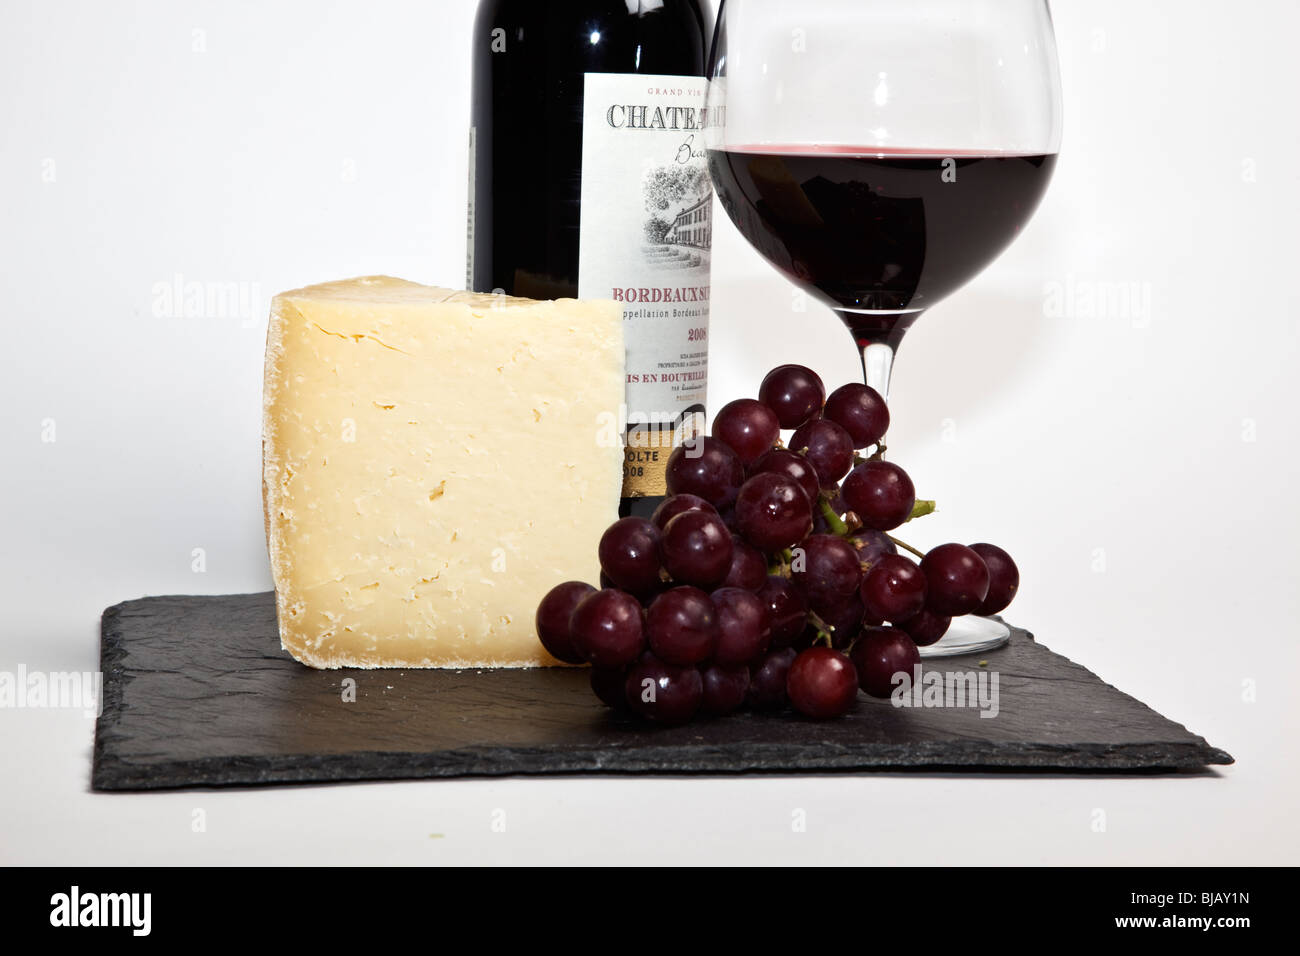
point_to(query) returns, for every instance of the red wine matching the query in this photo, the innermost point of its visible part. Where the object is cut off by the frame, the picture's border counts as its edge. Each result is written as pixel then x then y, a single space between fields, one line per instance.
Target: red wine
pixel 589 178
pixel 878 234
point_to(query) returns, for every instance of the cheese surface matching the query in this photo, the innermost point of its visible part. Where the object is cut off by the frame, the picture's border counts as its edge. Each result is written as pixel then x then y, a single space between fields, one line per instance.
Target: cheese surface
pixel 433 463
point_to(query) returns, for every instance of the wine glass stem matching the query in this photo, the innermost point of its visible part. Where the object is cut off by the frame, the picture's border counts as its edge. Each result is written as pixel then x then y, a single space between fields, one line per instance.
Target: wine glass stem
pixel 877 335
pixel 877 366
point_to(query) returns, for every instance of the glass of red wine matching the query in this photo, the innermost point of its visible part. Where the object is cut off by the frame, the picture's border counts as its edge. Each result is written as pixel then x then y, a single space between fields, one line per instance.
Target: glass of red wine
pixel 881 153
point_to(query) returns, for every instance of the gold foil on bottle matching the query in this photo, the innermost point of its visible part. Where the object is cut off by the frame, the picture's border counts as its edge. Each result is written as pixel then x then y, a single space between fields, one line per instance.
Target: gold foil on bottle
pixel 646 451
pixel 645 456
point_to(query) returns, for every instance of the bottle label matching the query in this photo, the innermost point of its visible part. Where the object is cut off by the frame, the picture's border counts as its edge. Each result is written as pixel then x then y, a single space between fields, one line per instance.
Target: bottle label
pixel 646 232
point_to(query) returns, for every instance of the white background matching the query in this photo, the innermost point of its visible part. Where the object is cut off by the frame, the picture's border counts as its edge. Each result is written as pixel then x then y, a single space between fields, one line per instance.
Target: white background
pixel 1141 468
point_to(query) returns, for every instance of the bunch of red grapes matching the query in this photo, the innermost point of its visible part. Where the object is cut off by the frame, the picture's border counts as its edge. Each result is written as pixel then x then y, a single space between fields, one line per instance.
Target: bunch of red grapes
pixel 768 577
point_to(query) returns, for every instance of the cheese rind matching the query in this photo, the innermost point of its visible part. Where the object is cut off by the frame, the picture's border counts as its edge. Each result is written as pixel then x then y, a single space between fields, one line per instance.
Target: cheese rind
pixel 433 463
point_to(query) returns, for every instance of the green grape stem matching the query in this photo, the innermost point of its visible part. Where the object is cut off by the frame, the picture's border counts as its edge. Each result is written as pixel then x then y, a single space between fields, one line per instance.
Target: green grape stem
pixel 834 521
pixel 921 509
pixel 779 563
pixel 823 629
pixel 843 529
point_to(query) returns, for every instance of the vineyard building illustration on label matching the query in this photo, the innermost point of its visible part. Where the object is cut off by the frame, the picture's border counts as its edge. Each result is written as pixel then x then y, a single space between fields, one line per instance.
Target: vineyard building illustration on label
pixel 694 226
pixel 679 200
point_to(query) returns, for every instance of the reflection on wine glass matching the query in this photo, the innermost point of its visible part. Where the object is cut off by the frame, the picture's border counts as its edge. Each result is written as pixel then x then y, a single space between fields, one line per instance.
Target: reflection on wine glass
pixel 881 154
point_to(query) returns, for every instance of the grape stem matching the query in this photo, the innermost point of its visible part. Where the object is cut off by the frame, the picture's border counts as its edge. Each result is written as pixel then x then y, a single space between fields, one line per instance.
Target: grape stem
pixel 844 529
pixel 877 455
pixel 833 521
pixel 823 629
pixel 921 508
pixel 905 545
pixel 781 565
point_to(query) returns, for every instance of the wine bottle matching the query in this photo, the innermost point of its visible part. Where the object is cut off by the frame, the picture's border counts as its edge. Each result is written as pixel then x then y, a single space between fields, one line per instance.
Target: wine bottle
pixel 589 178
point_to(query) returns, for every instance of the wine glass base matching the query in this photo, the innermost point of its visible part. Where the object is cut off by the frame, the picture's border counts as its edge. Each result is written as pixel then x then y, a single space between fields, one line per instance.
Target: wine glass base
pixel 969 635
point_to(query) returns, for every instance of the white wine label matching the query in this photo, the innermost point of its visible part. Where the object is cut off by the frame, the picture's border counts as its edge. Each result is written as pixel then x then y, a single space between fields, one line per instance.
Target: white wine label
pixel 646 231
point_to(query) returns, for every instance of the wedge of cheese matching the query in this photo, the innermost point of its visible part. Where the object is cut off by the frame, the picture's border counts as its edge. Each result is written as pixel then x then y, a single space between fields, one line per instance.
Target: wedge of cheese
pixel 433 463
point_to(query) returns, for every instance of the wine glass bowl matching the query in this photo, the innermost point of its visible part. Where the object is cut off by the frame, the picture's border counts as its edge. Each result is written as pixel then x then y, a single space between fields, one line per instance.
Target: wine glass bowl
pixel 878 234
pixel 881 154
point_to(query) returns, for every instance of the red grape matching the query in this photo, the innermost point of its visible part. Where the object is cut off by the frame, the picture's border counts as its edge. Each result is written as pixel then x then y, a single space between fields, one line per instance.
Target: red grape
pixel 607 684
pixel 893 589
pixel 724 688
pixel 743 631
pixel 670 508
pixel 767 680
pixel 629 555
pixel 926 628
pixel 787 609
pixel 827 571
pixel 880 493
pixel 663 692
pixel 552 619
pixel 822 683
pixel 879 654
pixel 827 446
pixel 682 626
pixel 706 467
pixel 696 548
pixel 860 411
pixel 772 512
pixel 748 566
pixel 749 427
pixel 956 578
pixel 782 461
pixel 607 628
pixel 1004 578
pixel 794 392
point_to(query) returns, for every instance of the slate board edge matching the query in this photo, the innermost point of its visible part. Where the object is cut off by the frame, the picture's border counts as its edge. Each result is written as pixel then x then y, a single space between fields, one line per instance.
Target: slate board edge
pixel 111 656
pixel 111 773
pixel 1209 755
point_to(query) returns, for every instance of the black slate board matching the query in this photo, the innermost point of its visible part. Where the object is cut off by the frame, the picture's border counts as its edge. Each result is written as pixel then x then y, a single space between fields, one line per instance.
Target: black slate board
pixel 197 692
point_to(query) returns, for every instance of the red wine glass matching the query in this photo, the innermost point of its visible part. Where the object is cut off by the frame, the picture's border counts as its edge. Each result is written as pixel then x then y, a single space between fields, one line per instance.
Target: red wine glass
pixel 881 153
